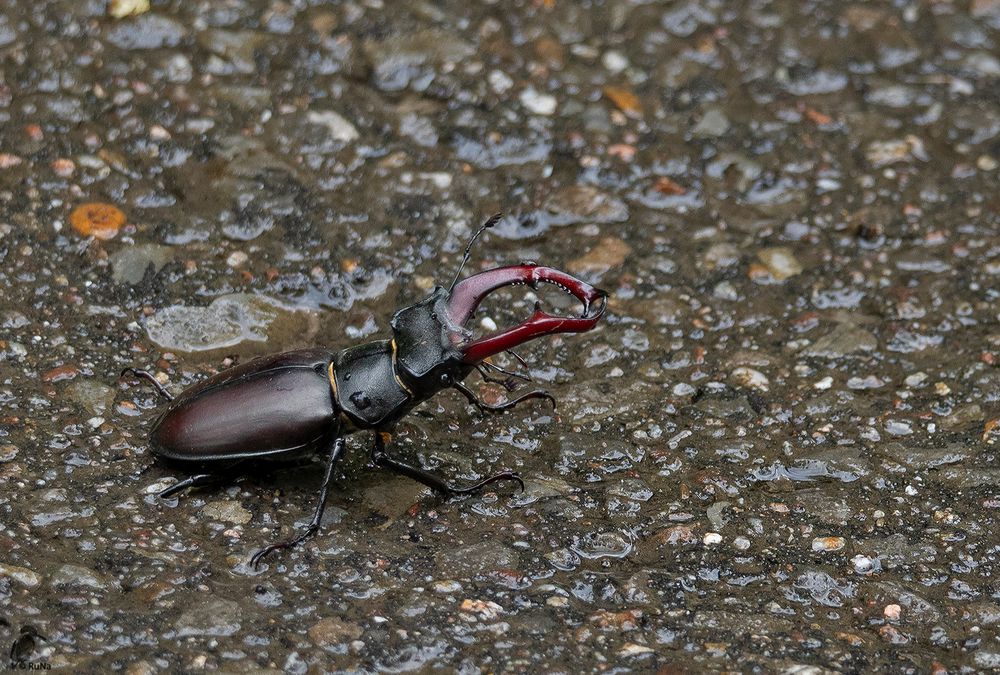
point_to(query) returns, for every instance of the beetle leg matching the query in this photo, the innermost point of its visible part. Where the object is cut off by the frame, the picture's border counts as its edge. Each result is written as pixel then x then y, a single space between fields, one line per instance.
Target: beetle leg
pixel 381 458
pixel 524 364
pixel 198 480
pixel 511 375
pixel 510 384
pixel 148 376
pixel 336 450
pixel 504 406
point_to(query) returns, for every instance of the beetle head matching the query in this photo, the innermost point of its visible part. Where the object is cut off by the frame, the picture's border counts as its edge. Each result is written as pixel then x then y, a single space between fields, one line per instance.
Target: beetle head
pixel 427 356
pixel 433 347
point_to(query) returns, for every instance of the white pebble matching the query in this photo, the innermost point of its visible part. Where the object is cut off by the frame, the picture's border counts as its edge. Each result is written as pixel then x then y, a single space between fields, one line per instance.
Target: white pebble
pixel 488 324
pixel 614 61
pixel 537 102
pixel 683 389
pixel 712 538
pixel 237 258
pixel 863 564
pixel 440 179
pixel 741 543
pixel 158 487
pixel 824 384
pixel 499 81
pixel 750 378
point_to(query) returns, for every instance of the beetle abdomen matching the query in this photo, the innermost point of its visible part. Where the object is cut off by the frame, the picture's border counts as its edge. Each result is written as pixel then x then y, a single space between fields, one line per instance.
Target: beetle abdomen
pixel 274 405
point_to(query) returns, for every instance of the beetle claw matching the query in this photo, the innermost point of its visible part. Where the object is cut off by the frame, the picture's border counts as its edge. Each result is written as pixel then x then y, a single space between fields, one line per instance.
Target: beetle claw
pixel 503 475
pixel 468 294
pixel 290 543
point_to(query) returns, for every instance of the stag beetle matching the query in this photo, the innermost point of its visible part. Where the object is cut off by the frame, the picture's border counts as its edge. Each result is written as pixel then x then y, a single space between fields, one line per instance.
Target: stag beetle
pixel 298 402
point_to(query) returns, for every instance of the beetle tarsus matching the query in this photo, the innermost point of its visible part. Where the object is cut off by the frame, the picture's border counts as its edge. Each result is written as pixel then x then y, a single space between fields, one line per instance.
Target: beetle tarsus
pixel 485 407
pixel 336 450
pixel 503 475
pixel 148 376
pixel 382 459
pixel 198 480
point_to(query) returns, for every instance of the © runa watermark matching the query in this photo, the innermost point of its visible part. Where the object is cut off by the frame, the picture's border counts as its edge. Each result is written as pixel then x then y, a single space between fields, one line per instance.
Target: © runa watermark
pixel 23 648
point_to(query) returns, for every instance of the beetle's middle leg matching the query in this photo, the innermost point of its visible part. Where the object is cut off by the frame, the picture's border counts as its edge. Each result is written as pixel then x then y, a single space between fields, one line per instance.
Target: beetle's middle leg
pixel 381 458
pixel 485 407
pixel 336 450
pixel 148 376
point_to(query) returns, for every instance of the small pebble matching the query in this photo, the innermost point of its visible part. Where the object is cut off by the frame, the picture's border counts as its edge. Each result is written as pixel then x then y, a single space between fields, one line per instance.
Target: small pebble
pixel 863 564
pixel 614 61
pixel 780 261
pixel 892 612
pixel 683 389
pixel 227 511
pixel 632 649
pixel 824 384
pixel 828 543
pixel 486 609
pixel 446 586
pixel 499 81
pixel 986 163
pixel 537 102
pixel 712 538
pixel 237 259
pixel 63 168
pixel 750 378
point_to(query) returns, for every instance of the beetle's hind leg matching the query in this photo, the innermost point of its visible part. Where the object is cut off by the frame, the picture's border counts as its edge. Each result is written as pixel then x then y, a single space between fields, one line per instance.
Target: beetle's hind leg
pixel 148 376
pixel 336 450
pixel 485 407
pixel 381 458
pixel 220 474
pixel 198 480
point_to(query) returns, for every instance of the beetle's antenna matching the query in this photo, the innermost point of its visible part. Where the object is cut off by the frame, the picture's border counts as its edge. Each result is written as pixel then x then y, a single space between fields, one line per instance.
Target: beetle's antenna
pixel 494 219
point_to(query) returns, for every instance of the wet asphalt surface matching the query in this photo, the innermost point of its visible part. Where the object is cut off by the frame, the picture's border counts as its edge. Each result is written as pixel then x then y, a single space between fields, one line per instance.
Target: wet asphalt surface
pixel 778 452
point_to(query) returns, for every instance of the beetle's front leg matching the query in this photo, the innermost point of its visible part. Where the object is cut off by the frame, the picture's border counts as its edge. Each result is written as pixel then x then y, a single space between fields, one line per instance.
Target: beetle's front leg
pixel 381 458
pixel 485 407
pixel 336 450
